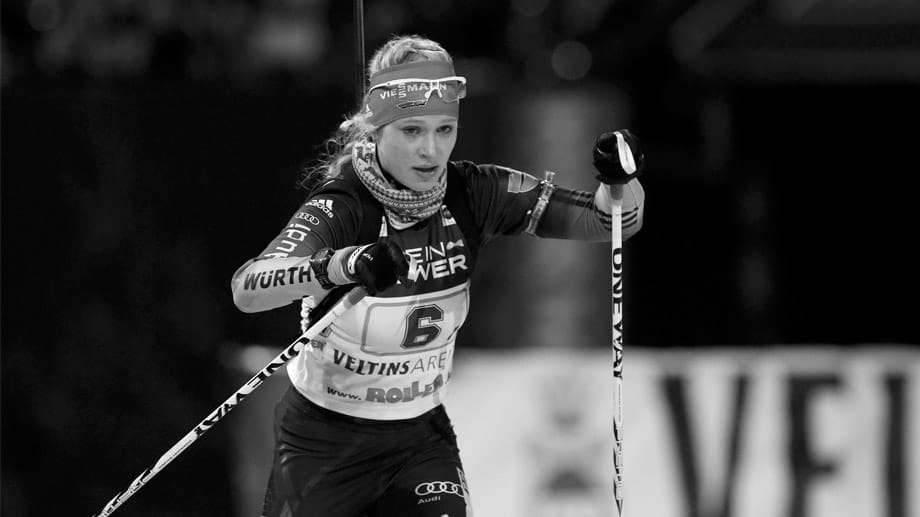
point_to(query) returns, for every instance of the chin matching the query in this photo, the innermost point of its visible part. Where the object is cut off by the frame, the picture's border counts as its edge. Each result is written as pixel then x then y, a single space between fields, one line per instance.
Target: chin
pixel 422 186
pixel 427 183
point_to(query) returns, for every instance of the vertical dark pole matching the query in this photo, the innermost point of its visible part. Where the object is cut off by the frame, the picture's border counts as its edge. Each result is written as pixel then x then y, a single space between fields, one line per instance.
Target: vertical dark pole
pixel 358 6
pixel 616 262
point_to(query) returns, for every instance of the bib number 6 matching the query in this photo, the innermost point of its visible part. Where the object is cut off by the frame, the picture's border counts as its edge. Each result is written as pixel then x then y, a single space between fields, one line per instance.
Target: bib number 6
pixel 421 326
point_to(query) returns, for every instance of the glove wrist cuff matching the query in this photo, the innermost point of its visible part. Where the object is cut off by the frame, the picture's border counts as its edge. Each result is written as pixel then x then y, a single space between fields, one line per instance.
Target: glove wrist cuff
pixel 352 260
pixel 337 272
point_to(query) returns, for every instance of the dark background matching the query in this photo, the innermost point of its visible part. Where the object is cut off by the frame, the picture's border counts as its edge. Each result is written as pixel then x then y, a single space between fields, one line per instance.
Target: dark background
pixel 149 149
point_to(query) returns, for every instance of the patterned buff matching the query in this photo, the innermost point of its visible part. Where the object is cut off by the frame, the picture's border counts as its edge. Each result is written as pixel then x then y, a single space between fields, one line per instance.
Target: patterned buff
pixel 404 207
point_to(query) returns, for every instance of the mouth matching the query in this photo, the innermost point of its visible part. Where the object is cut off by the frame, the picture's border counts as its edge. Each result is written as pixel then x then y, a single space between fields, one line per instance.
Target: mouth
pixel 427 171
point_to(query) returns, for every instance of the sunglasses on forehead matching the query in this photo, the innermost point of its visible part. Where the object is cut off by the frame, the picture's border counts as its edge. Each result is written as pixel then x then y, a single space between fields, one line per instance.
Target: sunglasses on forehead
pixel 449 89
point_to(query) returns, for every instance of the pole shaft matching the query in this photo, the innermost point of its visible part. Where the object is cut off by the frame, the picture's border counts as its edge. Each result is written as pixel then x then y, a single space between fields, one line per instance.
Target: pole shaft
pixel 616 243
pixel 358 8
pixel 347 301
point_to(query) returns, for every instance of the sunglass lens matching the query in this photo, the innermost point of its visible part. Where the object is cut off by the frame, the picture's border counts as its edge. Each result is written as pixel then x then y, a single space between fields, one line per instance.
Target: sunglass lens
pixel 452 91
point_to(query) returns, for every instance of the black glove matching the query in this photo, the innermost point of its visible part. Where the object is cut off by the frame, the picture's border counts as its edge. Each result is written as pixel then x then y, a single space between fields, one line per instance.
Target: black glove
pixel 618 157
pixel 377 266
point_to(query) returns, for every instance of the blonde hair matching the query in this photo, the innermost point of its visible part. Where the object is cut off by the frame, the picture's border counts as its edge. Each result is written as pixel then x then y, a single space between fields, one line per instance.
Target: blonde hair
pixel 337 148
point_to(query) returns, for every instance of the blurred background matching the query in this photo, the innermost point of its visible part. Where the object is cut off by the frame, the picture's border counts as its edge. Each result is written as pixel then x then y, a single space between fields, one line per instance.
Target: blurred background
pixel 149 148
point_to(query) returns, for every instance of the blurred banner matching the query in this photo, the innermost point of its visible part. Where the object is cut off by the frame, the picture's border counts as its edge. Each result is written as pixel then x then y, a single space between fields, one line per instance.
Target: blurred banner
pixel 775 432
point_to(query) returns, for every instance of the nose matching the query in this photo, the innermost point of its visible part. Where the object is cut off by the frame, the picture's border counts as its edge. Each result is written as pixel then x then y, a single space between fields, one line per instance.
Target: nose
pixel 428 147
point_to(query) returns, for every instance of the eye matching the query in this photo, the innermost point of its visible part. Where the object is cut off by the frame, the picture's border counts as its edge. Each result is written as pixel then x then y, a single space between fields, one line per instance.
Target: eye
pixel 411 130
pixel 446 129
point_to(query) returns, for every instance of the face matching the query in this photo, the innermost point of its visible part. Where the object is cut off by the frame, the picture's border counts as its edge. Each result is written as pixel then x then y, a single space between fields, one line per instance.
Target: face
pixel 415 150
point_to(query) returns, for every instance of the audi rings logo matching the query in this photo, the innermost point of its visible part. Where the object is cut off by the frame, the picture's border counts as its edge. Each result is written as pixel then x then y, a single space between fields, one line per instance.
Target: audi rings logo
pixel 310 218
pixel 439 487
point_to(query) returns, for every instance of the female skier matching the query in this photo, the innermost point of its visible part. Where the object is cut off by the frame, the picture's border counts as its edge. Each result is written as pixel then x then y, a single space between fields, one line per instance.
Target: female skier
pixel 362 430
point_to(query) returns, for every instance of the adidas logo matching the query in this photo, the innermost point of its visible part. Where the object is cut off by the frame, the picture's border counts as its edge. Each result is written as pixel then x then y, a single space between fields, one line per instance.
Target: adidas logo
pixel 323 204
